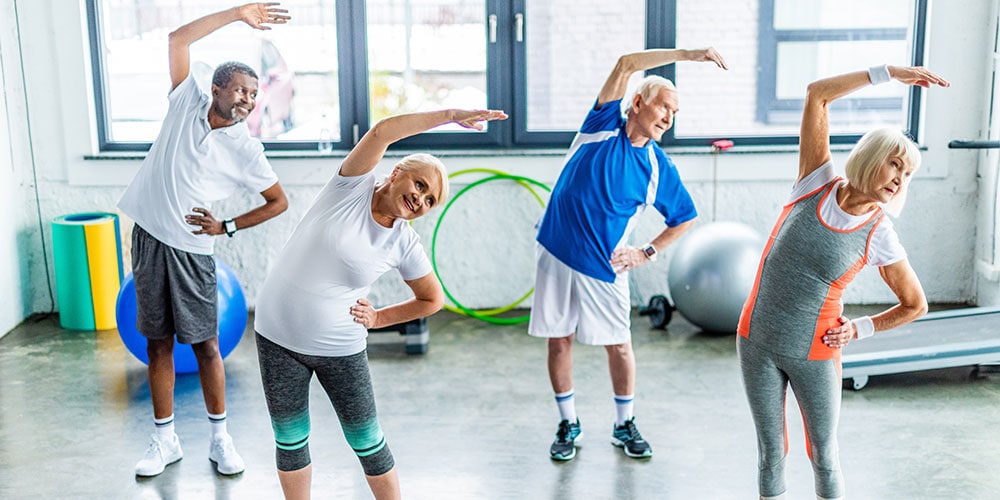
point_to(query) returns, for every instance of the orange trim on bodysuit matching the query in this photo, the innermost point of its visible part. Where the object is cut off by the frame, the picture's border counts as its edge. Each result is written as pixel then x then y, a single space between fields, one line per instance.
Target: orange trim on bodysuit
pixel 785 421
pixel 819 216
pixel 805 430
pixel 743 327
pixel 832 308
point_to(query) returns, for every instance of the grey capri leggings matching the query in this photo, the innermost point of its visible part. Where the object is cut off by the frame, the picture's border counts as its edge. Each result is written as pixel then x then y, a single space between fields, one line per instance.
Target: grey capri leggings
pixel 286 375
pixel 817 388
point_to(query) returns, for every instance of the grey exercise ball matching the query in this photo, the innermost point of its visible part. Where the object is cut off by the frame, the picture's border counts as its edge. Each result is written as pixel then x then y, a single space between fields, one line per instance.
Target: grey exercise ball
pixel 712 272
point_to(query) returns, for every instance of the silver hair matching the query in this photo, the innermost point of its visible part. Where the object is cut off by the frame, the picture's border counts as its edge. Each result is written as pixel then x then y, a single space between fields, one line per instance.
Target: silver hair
pixel 872 152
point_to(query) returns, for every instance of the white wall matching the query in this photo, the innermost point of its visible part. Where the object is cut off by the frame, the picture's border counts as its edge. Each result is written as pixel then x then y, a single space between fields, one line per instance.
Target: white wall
pixel 486 238
pixel 19 234
pixel 988 216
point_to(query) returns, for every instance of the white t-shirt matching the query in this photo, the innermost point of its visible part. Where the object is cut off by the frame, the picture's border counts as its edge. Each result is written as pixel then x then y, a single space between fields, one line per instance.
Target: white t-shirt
pixel 885 247
pixel 190 165
pixel 331 260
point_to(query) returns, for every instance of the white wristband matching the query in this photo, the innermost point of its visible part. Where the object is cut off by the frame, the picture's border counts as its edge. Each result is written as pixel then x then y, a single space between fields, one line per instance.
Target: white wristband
pixel 864 327
pixel 879 74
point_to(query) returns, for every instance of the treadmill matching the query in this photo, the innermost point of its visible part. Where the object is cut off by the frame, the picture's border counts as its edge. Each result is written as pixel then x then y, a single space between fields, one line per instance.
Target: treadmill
pixel 941 339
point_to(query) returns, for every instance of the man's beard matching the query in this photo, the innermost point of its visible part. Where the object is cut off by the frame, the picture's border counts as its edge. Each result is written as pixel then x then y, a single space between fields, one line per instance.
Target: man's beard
pixel 232 113
pixel 237 114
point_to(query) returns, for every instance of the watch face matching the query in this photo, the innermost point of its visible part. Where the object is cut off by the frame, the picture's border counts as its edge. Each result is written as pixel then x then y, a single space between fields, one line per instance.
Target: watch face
pixel 650 251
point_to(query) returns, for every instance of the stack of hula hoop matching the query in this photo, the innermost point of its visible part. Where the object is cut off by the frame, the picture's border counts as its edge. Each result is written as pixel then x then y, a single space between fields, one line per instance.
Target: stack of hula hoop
pixel 487 315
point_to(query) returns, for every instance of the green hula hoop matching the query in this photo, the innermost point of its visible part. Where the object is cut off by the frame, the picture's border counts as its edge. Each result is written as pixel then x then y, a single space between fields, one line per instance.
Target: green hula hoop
pixel 512 305
pixel 525 183
pixel 459 308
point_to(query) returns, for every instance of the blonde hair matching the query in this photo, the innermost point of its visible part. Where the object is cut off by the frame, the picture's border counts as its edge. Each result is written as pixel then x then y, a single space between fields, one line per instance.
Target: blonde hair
pixel 424 160
pixel 874 150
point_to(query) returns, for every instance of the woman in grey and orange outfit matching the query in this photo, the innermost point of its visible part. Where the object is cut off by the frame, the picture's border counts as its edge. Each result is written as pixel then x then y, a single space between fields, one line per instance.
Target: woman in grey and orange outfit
pixel 792 330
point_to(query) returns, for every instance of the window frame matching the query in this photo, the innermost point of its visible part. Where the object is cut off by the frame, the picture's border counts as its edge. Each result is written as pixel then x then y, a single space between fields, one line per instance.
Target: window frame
pixel 768 39
pixel 506 82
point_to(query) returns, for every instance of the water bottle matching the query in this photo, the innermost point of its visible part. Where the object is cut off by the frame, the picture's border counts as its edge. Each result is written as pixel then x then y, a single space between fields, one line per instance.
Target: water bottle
pixel 325 142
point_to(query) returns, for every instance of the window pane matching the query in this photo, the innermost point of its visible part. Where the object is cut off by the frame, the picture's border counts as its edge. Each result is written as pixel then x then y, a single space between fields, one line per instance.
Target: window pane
pixel 843 14
pixel 713 102
pixel 309 46
pixel 761 93
pixel 296 64
pixel 800 63
pixel 568 62
pixel 425 55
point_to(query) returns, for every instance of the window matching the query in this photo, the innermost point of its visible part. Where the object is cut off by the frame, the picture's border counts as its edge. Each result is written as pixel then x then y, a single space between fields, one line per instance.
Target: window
pixel 341 65
pixel 775 48
pixel 799 45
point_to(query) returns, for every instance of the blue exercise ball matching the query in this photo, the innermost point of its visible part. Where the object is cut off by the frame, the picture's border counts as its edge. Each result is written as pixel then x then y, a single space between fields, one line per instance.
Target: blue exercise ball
pixel 712 272
pixel 232 319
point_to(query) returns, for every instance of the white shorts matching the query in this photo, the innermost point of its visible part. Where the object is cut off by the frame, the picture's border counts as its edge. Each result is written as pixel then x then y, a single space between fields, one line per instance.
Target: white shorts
pixel 568 302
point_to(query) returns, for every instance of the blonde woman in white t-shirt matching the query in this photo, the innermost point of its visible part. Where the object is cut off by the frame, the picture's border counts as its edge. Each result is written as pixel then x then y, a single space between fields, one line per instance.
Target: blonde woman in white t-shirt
pixel 312 314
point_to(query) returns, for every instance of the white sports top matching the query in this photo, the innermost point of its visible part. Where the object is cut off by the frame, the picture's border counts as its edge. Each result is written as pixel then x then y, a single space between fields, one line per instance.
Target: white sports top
pixel 885 247
pixel 330 261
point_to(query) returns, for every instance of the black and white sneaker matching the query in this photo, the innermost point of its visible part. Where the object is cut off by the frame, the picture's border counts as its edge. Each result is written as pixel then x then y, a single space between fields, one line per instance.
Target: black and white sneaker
pixel 627 437
pixel 564 447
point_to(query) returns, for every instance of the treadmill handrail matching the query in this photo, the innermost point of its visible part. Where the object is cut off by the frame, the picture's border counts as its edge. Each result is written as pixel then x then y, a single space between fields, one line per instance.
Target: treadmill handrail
pixel 956 313
pixel 959 144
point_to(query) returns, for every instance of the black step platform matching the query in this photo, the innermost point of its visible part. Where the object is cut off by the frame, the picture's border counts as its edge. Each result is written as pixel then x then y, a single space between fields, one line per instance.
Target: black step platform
pixel 417 334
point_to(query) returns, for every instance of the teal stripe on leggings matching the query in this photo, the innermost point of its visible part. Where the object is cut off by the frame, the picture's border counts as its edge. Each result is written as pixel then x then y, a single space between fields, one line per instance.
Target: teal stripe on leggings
pixel 365 438
pixel 291 433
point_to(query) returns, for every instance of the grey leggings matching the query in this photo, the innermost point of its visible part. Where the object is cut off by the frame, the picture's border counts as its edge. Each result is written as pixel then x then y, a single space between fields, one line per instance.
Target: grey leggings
pixel 817 388
pixel 286 375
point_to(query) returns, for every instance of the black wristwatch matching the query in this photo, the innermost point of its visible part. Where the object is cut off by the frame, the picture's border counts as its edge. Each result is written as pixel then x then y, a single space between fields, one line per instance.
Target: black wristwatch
pixel 230 226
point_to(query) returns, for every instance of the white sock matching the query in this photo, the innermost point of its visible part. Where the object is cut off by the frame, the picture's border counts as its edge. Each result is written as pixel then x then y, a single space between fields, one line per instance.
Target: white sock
pixel 164 426
pixel 218 424
pixel 567 406
pixel 623 409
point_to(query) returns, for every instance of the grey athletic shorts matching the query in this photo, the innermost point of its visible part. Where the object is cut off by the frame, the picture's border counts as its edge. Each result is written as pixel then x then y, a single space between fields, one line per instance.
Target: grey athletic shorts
pixel 175 291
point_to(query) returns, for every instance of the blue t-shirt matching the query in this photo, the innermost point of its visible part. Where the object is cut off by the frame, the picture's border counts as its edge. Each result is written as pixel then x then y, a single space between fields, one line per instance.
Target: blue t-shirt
pixel 605 182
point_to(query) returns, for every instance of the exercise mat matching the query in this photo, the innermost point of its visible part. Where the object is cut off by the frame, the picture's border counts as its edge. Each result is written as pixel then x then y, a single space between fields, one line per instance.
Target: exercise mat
pixel 88 261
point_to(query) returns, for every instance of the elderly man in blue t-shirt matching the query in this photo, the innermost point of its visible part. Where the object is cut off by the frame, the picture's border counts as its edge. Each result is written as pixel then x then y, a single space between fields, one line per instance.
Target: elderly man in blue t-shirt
pixel 613 171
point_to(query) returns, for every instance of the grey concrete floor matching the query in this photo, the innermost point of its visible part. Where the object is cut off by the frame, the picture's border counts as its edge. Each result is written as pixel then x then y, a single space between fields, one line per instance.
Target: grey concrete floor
pixel 473 419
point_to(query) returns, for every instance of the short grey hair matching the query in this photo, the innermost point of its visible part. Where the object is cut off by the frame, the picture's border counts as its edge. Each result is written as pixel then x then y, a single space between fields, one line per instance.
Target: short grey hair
pixel 651 85
pixel 224 73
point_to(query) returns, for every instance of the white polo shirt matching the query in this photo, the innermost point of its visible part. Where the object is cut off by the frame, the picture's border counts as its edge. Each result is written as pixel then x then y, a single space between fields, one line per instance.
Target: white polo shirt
pixel 190 165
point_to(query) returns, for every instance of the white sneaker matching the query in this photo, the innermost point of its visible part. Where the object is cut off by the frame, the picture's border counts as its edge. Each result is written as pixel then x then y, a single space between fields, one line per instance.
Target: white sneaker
pixel 159 455
pixel 223 453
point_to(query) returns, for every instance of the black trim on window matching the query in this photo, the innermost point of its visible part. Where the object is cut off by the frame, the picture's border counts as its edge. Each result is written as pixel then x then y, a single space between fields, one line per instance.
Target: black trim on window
pixel 506 80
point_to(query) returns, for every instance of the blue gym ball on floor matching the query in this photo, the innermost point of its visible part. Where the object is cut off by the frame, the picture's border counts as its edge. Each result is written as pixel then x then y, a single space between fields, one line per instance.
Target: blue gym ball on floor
pixel 232 318
pixel 712 272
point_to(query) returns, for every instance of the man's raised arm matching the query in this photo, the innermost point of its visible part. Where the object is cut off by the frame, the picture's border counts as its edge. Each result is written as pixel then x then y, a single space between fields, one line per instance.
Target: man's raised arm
pixel 256 15
pixel 614 87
